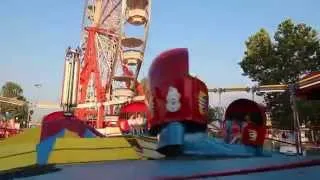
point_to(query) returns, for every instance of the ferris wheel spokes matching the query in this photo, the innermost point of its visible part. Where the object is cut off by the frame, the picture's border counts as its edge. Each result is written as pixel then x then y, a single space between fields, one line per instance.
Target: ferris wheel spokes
pixel 135 13
pixel 110 60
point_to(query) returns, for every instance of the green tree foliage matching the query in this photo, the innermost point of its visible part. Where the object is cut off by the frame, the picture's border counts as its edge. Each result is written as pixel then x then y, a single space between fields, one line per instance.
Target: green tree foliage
pixel 14 90
pixel 215 113
pixel 294 51
pixel 309 111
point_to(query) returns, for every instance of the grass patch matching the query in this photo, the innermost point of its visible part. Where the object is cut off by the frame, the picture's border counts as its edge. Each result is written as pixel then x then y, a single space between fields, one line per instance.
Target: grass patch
pixel 20 150
pixel 31 135
pixel 27 136
pixel 71 150
pixel 110 142
pixel 80 156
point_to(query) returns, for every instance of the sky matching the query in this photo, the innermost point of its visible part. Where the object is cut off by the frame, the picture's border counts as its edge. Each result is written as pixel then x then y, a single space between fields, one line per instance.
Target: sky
pixel 34 35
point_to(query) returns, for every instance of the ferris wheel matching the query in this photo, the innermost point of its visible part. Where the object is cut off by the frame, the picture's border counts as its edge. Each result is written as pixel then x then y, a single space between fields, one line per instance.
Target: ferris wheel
pixel 113 41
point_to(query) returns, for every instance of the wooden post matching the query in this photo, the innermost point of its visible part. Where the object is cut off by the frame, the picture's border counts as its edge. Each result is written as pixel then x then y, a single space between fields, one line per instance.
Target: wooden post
pixel 297 133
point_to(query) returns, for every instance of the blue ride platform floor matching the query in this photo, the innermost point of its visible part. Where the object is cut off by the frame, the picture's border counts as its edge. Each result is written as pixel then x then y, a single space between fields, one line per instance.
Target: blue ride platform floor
pixel 152 169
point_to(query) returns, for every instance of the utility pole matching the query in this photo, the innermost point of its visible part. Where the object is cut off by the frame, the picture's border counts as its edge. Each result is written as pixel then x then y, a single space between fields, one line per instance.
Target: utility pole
pixel 297 132
pixel 30 112
pixel 32 106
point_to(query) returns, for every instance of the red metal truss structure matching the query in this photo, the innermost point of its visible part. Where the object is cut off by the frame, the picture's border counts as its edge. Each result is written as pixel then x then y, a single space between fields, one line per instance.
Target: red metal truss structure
pixel 109 58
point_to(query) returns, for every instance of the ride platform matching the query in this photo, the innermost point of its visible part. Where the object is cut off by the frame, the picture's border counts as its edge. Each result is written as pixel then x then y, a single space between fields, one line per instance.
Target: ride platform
pixel 236 168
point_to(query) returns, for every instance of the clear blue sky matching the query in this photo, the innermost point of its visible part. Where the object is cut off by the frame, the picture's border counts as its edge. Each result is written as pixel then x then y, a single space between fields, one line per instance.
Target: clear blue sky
pixel 35 33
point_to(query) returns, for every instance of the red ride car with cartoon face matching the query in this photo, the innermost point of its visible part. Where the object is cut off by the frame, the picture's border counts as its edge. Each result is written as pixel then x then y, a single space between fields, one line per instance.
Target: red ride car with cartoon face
pixel 174 95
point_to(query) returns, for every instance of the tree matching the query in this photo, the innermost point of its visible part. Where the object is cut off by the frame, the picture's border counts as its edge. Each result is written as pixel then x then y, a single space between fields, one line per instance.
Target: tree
pixel 215 113
pixel 309 111
pixel 14 90
pixel 11 89
pixel 295 51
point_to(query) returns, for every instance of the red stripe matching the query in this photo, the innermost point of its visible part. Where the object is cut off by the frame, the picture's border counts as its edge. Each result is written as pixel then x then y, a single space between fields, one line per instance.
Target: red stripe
pixel 308 163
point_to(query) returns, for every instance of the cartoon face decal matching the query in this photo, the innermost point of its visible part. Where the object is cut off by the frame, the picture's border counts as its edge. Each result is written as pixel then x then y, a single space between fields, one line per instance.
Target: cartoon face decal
pixel 203 103
pixel 173 100
pixel 253 135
